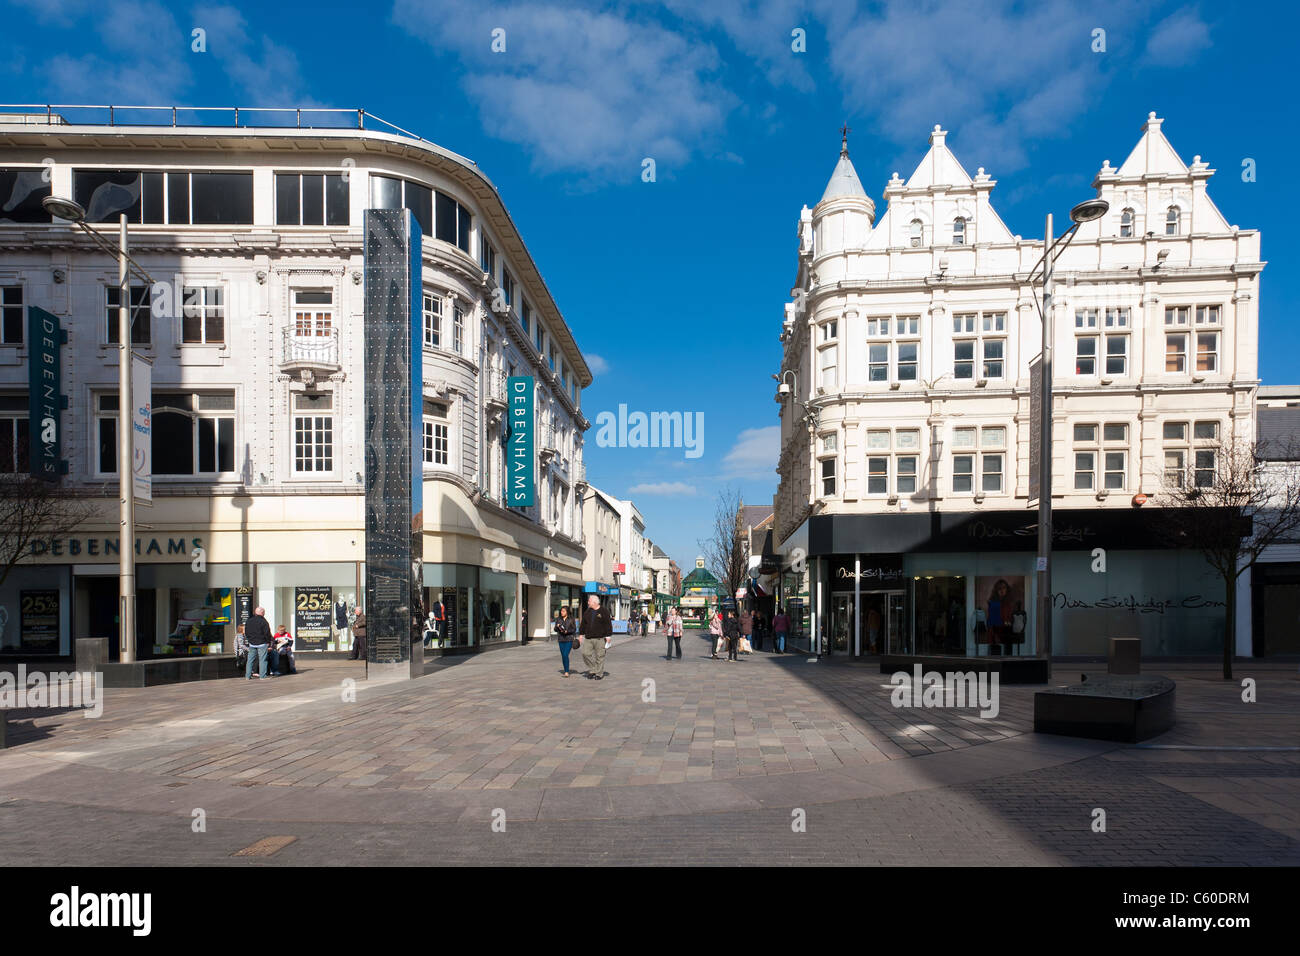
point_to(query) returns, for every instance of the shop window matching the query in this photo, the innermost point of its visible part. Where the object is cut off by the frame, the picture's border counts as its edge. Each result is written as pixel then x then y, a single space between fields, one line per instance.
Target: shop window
pixel 203 316
pixel 23 190
pixel 141 314
pixel 14 435
pixel 11 315
pixel 313 433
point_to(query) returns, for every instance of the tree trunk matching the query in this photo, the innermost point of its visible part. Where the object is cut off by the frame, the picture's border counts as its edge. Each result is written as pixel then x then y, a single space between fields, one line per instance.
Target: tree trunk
pixel 1230 628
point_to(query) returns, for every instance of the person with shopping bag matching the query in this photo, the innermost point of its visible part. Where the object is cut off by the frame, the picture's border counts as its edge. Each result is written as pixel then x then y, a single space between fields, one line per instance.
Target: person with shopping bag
pixel 715 631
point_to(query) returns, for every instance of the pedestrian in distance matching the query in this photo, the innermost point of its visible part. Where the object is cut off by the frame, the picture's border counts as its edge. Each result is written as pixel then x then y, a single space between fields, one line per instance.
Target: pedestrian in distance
pixel 593 636
pixel 674 631
pixel 747 630
pixel 715 633
pixel 359 636
pixel 760 630
pixel 731 631
pixel 564 636
pixel 780 627
pixel 258 635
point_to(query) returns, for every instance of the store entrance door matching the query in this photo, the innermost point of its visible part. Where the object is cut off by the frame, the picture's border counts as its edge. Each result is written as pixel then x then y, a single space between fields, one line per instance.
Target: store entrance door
pixel 101 611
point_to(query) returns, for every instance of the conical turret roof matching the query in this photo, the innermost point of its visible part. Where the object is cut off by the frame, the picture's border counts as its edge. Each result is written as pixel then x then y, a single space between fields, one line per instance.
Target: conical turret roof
pixel 844 182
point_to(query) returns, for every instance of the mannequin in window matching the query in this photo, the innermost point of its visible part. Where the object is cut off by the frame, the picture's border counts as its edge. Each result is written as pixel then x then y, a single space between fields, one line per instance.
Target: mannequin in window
pixel 341 622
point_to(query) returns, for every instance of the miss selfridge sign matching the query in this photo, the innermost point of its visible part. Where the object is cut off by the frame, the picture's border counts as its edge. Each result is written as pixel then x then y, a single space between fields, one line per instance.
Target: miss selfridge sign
pixel 45 338
pixel 520 459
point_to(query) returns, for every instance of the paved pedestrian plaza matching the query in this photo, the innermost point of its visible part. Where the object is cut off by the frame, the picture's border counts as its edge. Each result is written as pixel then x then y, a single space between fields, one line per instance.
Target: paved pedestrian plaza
pixel 781 760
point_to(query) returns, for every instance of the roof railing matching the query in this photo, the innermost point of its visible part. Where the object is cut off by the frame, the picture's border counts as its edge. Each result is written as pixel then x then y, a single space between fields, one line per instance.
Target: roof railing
pixel 216 117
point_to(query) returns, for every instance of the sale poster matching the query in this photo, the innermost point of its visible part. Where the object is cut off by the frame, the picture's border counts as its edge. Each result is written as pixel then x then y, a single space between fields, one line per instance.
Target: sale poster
pixel 311 617
pixel 39 624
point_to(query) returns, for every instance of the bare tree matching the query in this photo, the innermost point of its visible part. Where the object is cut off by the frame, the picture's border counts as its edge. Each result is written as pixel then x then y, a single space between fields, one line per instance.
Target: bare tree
pixel 726 551
pixel 1231 503
pixel 32 509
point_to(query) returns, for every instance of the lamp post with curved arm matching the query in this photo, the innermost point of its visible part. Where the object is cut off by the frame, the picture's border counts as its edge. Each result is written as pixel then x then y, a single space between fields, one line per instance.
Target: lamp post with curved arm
pixel 73 212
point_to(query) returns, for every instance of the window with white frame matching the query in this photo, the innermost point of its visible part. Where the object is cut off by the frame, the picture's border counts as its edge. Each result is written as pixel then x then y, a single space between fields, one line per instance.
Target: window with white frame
pixel 437 435
pixel 892 460
pixel 1205 448
pixel 827 360
pixel 1100 456
pixel 1126 224
pixel 104 441
pixel 915 231
pixel 1191 452
pixel 979 338
pixel 828 477
pixel 313 313
pixel 203 316
pixel 11 315
pixel 193 433
pixel 140 314
pixel 458 330
pixel 830 331
pixel 829 447
pixel 979 459
pixel 14 435
pixel 959 231
pixel 1173 221
pixel 1113 343
pixel 432 312
pixel 1176 447
pixel 313 433
pixel 895 360
pixel 1176 352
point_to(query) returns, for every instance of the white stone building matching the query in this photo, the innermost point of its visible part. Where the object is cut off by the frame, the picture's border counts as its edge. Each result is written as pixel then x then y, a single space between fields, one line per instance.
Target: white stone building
pixel 906 444
pixel 256 346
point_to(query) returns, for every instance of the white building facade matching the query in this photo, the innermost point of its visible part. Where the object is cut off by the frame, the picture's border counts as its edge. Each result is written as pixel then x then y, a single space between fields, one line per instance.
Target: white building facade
pixel 255 335
pixel 906 431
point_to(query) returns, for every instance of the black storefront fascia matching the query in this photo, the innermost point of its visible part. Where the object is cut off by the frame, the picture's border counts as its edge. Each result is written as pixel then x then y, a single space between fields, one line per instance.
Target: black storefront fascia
pixel 1072 530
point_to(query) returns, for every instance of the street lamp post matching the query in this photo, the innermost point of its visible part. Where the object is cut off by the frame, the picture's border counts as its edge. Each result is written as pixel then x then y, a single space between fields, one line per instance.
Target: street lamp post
pixel 1084 212
pixel 73 212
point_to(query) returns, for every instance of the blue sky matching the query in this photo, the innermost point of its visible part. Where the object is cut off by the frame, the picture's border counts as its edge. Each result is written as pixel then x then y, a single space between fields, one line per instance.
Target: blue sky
pixel 675 288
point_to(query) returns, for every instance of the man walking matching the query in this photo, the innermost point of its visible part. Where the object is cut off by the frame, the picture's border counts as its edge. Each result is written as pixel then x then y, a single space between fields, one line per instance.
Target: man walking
pixel 359 637
pixel 258 635
pixel 596 628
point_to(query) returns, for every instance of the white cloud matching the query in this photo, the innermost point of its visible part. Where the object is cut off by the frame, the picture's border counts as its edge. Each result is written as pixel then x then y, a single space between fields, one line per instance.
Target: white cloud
pixel 756 451
pixel 140 67
pixel 263 70
pixel 1178 38
pixel 588 92
pixel 597 364
pixel 662 488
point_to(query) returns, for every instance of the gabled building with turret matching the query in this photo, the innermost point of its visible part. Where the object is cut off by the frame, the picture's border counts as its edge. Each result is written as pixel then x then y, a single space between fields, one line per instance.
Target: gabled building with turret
pixel 906 439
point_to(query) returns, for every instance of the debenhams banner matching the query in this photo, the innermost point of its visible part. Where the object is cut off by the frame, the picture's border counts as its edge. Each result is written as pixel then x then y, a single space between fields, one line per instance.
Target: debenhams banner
pixel 44 373
pixel 92 548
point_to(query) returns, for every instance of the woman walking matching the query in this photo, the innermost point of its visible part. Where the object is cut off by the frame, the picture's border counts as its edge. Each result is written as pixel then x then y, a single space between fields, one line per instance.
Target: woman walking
pixel 674 631
pixel 747 631
pixel 564 636
pixel 715 632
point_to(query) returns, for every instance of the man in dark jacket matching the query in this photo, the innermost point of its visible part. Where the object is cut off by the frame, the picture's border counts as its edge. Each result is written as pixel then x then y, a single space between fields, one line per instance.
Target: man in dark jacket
pixel 596 626
pixel 731 631
pixel 258 635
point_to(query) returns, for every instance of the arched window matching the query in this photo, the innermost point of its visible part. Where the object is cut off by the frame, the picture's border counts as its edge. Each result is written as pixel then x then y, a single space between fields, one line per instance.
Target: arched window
pixel 1172 221
pixel 1126 224
pixel 959 231
pixel 916 233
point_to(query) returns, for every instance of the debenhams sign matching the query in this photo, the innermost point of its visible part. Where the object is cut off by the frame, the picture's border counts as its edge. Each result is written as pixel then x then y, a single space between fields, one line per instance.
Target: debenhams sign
pixel 44 550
